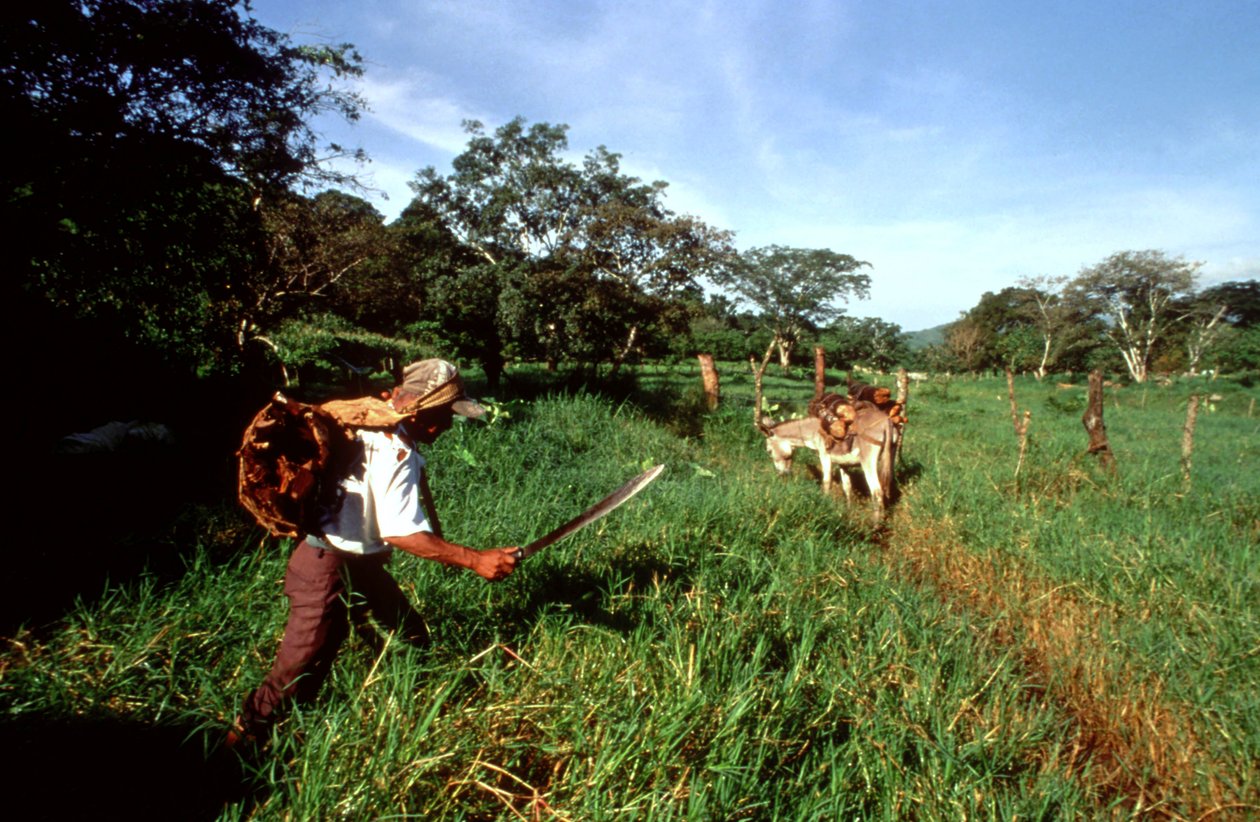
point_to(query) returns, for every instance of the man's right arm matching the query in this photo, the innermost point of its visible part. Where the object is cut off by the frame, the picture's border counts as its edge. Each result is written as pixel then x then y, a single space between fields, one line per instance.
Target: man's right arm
pixel 493 564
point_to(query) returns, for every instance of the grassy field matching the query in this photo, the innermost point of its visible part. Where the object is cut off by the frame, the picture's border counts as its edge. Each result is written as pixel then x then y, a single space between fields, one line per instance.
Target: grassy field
pixel 1062 643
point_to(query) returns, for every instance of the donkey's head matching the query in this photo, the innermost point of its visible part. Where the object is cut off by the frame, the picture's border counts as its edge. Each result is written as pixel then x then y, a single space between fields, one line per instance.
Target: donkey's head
pixel 780 450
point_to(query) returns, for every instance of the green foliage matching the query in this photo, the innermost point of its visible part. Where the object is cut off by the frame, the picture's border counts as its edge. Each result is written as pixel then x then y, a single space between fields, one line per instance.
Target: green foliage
pixel 1073 403
pixel 587 263
pixel 869 341
pixel 795 289
pixel 326 347
pixel 150 129
pixel 1136 292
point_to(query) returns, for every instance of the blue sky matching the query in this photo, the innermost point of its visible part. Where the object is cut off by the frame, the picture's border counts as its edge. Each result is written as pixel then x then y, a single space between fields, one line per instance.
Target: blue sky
pixel 956 146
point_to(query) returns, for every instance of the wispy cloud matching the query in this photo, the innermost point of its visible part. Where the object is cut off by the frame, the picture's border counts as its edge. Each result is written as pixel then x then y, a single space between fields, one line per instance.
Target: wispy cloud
pixel 413 111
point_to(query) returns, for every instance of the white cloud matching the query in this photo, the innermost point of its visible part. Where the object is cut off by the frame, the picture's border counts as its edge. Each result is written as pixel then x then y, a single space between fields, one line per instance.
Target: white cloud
pixel 405 107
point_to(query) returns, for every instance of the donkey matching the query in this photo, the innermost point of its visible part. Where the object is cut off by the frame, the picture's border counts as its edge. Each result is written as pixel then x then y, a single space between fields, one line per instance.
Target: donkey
pixel 872 448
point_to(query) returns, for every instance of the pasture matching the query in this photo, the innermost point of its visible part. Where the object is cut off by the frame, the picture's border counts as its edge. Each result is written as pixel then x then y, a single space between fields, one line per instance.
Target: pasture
pixel 1065 643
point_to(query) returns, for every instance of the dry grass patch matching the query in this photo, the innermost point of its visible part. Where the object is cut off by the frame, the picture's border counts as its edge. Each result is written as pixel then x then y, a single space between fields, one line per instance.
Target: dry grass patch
pixel 1134 747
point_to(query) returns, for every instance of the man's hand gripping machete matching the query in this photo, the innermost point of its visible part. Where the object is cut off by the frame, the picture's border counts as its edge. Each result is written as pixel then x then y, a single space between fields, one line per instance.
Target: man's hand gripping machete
pixel 593 513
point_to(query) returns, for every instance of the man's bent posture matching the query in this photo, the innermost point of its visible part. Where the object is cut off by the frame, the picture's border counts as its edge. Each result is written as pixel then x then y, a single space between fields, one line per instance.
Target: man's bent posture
pixel 384 503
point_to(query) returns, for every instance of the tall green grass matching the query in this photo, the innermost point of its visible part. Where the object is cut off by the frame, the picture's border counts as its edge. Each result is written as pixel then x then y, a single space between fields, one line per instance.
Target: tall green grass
pixel 728 645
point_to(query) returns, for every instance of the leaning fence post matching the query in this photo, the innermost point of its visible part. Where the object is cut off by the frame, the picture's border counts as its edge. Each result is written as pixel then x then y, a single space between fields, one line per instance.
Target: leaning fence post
pixel 708 372
pixel 1021 428
pixel 1187 439
pixel 1010 392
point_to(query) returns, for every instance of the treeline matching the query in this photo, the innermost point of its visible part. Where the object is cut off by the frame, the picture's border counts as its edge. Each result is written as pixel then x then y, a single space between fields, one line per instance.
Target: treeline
pixel 175 227
pixel 1135 313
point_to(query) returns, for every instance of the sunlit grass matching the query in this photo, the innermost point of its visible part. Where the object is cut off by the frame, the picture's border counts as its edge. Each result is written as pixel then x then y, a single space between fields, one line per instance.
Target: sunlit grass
pixel 729 644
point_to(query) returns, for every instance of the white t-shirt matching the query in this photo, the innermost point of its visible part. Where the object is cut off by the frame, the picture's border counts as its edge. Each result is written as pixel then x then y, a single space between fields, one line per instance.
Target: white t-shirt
pixel 379 497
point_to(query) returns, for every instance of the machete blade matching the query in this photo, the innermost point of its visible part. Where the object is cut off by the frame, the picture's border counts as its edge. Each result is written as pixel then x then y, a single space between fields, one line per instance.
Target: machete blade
pixel 596 511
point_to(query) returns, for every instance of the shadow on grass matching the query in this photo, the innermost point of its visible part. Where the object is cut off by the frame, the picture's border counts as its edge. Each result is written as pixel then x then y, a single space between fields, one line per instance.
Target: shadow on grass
pixel 587 593
pixel 89 519
pixel 107 768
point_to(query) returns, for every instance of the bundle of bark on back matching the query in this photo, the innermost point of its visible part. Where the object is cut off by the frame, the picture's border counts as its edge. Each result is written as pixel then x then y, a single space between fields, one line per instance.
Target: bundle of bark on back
pixel 881 398
pixel 293 455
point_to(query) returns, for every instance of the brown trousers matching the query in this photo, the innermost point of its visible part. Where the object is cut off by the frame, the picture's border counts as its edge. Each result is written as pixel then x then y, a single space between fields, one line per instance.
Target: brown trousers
pixel 324 588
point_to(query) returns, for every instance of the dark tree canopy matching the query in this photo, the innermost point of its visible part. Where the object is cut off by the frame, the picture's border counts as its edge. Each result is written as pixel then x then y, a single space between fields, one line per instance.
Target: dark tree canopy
pixel 152 131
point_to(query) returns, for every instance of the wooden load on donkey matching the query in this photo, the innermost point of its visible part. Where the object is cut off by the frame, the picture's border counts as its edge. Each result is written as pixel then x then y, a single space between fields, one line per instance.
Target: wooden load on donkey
pixel 880 397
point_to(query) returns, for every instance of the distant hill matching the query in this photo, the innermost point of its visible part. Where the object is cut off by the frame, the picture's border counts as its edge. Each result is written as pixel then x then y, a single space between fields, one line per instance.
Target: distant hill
pixel 919 340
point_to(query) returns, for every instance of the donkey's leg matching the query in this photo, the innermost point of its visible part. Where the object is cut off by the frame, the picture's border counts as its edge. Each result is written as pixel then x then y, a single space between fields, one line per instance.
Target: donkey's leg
pixel 824 462
pixel 847 483
pixel 870 469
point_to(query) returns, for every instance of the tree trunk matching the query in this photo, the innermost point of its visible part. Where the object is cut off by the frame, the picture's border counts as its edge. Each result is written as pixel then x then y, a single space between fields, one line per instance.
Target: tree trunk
pixel 493 365
pixel 785 354
pixel 903 387
pixel 820 371
pixel 758 371
pixel 1093 422
pixel 1187 439
pixel 625 350
pixel 708 372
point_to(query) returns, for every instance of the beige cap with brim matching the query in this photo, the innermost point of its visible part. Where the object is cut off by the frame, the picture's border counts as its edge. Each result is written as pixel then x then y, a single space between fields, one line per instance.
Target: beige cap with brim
pixel 435 383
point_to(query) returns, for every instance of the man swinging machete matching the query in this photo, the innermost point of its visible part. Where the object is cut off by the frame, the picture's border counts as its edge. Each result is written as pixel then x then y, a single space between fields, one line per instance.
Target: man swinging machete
pixel 385 504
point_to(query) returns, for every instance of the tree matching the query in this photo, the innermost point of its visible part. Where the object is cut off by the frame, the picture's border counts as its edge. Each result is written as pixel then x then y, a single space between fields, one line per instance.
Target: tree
pixel 1216 315
pixel 583 259
pixel 312 244
pixel 152 128
pixel 629 240
pixel 965 340
pixel 1241 300
pixel 1136 292
pixel 1052 318
pixel 870 341
pixel 795 289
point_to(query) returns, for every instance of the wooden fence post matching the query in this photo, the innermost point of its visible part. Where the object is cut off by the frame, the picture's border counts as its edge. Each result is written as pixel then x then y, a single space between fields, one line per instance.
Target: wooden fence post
pixel 820 371
pixel 708 372
pixel 758 372
pixel 1010 392
pixel 1093 422
pixel 1187 439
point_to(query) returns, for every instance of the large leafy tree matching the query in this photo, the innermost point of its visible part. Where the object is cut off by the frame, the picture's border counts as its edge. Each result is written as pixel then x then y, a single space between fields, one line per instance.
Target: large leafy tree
pixel 868 341
pixel 795 289
pixel 642 257
pixel 1137 294
pixel 1029 326
pixel 1224 318
pixel 153 130
pixel 579 260
pixel 313 245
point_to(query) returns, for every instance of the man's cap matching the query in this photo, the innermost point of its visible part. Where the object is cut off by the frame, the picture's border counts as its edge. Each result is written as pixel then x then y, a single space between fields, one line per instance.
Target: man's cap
pixel 436 383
